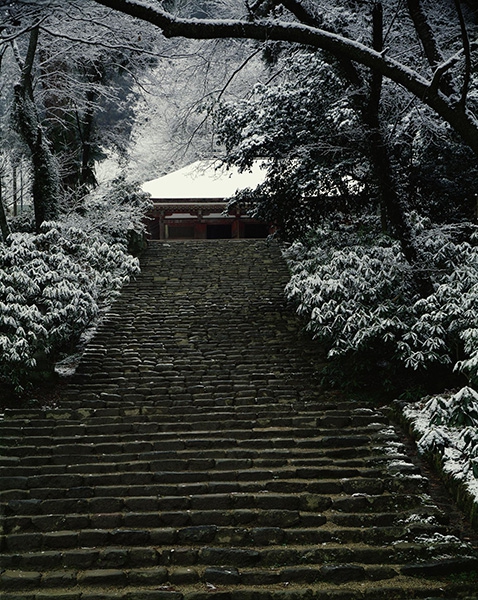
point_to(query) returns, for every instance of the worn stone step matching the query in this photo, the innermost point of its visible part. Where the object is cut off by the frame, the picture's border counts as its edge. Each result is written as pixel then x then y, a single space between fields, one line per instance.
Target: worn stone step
pixel 177 462
pixel 153 584
pixel 66 414
pixel 132 532
pixel 249 527
pixel 193 413
pixel 249 517
pixel 98 553
pixel 105 433
pixel 282 511
pixel 181 432
pixel 197 422
pixel 171 443
pixel 17 500
pixel 222 459
pixel 217 495
pixel 252 454
pixel 172 476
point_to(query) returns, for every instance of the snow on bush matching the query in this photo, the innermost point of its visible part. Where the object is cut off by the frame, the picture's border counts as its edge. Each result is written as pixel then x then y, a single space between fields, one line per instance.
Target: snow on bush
pixel 356 290
pixel 448 425
pixel 53 284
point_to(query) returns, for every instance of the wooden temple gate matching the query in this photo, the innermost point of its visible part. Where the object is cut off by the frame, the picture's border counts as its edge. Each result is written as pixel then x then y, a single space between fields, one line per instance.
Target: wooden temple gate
pixel 192 203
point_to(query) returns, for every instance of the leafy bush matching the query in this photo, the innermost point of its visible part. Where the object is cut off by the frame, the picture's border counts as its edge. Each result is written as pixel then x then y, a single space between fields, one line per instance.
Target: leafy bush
pixel 356 290
pixel 459 410
pixel 54 284
pixel 448 425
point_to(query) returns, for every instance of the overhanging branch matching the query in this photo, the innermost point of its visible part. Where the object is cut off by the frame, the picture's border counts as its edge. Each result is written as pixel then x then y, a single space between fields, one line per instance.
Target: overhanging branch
pixel 171 26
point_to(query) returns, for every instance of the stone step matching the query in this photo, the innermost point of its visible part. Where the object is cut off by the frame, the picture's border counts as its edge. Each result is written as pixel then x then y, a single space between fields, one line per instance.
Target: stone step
pixel 239 536
pixel 227 496
pixel 127 550
pixel 333 479
pixel 196 409
pixel 170 442
pixel 162 393
pixel 178 462
pixel 322 455
pixel 298 427
pixel 342 414
pixel 194 498
pixel 213 429
pixel 229 584
pixel 38 517
pixel 328 480
pixel 129 478
pixel 116 396
pixel 287 526
pixel 99 420
pixel 28 499
pixel 15 466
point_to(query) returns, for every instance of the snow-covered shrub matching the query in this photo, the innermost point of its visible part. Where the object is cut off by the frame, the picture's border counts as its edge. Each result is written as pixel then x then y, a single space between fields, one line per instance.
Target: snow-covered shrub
pixel 458 410
pixel 356 291
pixel 448 425
pixel 55 283
pixel 114 211
pixel 433 440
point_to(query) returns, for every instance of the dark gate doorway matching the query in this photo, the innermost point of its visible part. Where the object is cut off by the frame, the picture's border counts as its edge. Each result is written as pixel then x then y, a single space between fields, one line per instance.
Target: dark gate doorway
pixel 221 231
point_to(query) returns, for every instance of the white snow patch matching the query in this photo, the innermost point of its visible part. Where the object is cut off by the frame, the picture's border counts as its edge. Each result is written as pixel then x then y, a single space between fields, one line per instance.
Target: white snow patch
pixel 416 518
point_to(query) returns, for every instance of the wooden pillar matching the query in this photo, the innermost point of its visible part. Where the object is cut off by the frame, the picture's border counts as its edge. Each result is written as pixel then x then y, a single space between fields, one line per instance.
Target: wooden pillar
pixel 162 229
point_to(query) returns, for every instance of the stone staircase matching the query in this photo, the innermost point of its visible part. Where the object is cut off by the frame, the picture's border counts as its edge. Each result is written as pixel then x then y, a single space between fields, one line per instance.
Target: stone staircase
pixel 195 456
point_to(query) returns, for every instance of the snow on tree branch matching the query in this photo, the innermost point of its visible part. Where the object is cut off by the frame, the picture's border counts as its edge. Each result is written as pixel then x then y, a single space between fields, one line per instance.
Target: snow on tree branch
pixel 273 30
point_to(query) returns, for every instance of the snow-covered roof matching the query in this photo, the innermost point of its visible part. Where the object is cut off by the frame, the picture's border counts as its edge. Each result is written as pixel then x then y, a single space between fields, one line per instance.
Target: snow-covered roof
pixel 205 179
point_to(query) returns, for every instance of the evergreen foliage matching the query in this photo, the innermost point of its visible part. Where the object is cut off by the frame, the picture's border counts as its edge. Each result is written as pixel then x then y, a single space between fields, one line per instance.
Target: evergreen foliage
pixel 448 425
pixel 354 287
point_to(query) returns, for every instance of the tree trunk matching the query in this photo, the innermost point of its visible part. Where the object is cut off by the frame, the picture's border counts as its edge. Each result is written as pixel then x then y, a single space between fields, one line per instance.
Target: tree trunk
pixel 4 228
pixel 429 43
pixel 15 190
pixel 46 181
pixel 87 174
pixel 380 157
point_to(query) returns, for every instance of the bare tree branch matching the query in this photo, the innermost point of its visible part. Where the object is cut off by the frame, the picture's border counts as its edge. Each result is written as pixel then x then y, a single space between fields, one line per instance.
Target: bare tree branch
pixel 110 46
pixel 442 69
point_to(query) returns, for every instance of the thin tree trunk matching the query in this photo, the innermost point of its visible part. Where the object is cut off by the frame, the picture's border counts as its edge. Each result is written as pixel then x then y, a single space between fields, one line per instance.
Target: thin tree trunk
pixel 15 190
pixel 87 175
pixel 4 227
pixel 381 160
